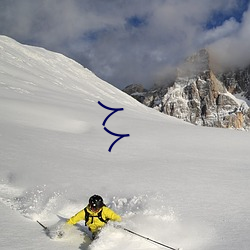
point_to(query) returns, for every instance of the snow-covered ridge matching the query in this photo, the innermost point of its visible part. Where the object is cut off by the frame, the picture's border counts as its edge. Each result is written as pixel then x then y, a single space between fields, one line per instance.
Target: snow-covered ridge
pixel 33 74
pixel 35 68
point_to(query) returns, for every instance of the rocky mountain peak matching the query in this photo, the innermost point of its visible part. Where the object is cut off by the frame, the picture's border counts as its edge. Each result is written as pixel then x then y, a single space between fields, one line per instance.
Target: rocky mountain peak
pixel 200 96
pixel 196 64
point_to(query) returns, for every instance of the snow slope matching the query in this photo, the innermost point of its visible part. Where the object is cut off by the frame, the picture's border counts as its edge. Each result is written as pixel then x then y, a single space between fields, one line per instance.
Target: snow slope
pixel 173 182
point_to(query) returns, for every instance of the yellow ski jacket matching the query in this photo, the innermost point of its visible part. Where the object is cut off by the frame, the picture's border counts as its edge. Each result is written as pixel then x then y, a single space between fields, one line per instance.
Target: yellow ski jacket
pixel 94 223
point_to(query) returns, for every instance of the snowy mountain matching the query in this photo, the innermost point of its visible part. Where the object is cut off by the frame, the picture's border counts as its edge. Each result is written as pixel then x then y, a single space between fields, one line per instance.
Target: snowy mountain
pixel 183 185
pixel 201 96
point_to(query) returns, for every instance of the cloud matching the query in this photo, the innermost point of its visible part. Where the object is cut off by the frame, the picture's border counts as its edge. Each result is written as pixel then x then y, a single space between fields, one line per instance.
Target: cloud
pixel 228 28
pixel 233 49
pixel 121 41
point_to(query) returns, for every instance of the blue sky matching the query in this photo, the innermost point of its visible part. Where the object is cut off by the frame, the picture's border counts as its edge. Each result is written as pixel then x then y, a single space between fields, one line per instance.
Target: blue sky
pixel 131 41
pixel 218 17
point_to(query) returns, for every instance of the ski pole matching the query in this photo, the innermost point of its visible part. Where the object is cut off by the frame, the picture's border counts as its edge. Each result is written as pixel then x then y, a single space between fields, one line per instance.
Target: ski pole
pixel 146 238
pixel 45 228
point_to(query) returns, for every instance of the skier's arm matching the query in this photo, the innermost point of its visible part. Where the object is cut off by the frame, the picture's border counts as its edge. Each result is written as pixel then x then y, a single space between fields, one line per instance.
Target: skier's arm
pixel 77 217
pixel 110 214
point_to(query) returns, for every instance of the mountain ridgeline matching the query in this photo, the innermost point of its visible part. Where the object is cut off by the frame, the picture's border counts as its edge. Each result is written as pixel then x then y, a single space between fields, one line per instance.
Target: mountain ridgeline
pixel 201 94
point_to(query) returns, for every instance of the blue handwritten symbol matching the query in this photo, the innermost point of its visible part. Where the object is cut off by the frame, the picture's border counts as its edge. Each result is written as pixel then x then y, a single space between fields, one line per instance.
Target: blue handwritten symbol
pixel 120 136
pixel 114 111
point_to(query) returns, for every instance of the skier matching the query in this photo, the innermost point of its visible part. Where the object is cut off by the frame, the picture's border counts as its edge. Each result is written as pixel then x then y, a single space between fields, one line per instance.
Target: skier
pixel 95 214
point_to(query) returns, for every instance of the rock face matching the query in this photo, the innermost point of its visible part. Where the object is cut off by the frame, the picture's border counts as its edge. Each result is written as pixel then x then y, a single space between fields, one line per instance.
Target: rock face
pixel 237 81
pixel 201 97
pixel 137 91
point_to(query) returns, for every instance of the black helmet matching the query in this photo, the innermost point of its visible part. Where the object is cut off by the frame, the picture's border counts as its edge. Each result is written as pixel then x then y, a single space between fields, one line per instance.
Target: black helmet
pixel 95 202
